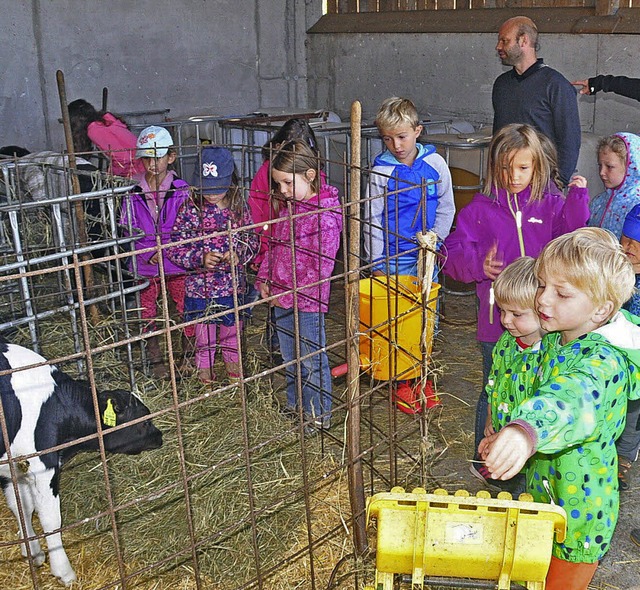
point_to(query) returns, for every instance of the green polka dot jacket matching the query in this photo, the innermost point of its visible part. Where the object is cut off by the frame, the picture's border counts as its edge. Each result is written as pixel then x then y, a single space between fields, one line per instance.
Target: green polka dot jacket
pixel 578 410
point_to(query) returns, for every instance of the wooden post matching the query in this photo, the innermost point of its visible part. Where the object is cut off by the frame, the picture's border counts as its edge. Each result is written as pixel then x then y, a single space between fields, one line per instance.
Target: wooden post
pixel 352 288
pixel 87 271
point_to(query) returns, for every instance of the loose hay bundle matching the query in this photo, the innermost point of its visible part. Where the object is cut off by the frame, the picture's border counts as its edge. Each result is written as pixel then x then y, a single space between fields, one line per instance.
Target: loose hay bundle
pixel 149 494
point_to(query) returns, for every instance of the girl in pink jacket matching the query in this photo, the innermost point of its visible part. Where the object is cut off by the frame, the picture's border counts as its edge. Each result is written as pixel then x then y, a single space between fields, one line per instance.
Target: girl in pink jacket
pixel 109 134
pixel 297 270
pixel 261 201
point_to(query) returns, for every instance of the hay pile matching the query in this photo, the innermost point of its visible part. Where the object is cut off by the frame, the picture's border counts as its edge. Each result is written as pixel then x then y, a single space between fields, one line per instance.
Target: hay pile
pixel 153 525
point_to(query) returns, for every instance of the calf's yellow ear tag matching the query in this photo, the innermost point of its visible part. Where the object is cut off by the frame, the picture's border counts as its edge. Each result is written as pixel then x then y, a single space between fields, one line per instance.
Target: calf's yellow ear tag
pixel 109 415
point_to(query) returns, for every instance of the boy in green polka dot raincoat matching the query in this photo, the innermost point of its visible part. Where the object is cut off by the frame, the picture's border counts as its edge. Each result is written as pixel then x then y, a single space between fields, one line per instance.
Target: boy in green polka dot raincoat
pixel 567 428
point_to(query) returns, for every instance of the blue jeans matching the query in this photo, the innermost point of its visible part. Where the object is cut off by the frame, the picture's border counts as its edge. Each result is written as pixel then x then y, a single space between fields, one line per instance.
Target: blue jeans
pixel 629 441
pixel 315 373
pixel 483 402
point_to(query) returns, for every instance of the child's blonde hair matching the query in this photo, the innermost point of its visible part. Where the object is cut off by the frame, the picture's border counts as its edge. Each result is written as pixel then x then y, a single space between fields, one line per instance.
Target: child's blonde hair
pixel 517 284
pixel 616 144
pixel 396 111
pixel 592 260
pixel 504 145
pixel 296 157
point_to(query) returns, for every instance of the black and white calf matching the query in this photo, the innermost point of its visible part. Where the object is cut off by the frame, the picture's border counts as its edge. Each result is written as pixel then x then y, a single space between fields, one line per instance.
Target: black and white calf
pixel 44 408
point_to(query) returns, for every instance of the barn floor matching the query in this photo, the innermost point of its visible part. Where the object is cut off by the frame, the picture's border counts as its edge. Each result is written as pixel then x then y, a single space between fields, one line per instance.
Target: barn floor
pixel 457 365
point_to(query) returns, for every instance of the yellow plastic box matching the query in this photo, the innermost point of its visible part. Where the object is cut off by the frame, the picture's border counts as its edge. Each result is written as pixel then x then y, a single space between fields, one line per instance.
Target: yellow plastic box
pixel 461 536
pixel 391 323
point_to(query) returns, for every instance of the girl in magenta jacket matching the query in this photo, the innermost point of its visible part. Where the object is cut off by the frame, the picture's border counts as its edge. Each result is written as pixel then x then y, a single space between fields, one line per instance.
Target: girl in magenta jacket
pixel 149 211
pixel 306 237
pixel 261 195
pixel 518 212
pixel 260 192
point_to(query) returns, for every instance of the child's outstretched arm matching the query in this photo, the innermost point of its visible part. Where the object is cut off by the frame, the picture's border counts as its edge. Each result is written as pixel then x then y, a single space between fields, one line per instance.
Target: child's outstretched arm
pixel 575 209
pixel 506 452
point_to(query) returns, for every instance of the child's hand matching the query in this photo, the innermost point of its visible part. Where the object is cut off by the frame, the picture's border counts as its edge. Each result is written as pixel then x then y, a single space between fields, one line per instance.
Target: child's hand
pixel 506 452
pixel 485 444
pixel 488 427
pixel 212 259
pixel 264 290
pixel 578 181
pixel 492 265
pixel 230 258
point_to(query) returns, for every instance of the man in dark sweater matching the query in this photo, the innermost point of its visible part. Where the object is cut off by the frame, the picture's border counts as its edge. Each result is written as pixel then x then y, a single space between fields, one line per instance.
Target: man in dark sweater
pixel 534 93
pixel 629 87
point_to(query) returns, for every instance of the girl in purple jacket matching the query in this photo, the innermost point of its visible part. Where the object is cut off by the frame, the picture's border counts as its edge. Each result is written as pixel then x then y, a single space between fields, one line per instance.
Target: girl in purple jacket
pixel 210 242
pixel 297 271
pixel 518 212
pixel 150 211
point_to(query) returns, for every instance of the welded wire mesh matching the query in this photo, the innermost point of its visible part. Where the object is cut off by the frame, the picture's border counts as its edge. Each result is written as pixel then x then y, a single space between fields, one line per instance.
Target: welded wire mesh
pixel 244 493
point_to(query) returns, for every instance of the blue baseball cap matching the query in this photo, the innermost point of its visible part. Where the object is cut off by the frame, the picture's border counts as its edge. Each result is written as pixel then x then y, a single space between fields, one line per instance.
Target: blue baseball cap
pixel 631 227
pixel 215 171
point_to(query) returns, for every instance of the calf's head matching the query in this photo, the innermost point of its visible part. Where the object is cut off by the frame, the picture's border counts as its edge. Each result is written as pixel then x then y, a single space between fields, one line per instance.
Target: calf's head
pixel 118 407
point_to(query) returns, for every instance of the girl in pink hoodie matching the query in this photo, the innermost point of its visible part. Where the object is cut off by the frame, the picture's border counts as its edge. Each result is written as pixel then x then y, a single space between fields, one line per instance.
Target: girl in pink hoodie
pixel 296 270
pixel 109 134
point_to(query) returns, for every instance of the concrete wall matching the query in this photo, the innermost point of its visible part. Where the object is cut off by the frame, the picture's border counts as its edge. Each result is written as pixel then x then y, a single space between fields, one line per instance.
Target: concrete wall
pixel 192 56
pixel 452 74
pixel 237 56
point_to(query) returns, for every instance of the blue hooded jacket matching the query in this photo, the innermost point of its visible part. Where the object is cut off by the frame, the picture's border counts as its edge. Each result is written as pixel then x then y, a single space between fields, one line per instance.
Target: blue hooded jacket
pixel 402 213
pixel 609 208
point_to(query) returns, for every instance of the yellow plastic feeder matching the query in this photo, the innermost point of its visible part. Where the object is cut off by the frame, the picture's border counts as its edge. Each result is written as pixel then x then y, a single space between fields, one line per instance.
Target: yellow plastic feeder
pixel 391 325
pixel 461 536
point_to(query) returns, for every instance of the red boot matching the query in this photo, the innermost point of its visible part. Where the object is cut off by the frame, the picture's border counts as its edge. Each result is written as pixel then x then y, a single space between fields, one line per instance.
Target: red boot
pixel 409 398
pixel 432 398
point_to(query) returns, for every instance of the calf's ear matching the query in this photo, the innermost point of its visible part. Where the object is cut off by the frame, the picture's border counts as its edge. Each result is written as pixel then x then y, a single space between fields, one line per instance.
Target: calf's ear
pixel 109 414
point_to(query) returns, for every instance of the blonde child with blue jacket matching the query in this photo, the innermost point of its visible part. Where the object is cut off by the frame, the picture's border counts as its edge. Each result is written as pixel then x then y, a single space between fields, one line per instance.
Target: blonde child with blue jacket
pixel 409 192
